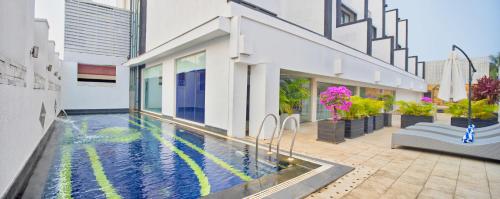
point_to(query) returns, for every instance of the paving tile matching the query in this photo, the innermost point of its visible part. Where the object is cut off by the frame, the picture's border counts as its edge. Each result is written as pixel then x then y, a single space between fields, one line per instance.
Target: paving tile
pixel 401 190
pixel 442 184
pixel 468 194
pixel 495 189
pixel 398 173
pixel 493 172
pixel 448 159
pixel 428 193
pixel 446 170
pixel 479 186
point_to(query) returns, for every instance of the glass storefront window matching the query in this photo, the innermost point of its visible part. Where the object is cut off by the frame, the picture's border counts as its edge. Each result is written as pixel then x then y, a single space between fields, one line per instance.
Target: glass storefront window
pixel 190 93
pixel 152 88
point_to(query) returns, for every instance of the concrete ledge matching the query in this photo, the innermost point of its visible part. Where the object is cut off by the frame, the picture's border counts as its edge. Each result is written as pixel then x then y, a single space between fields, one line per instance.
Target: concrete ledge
pixel 17 188
pixel 96 111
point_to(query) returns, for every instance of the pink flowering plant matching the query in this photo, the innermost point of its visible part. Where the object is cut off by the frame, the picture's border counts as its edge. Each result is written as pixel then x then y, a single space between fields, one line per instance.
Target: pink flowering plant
pixel 426 100
pixel 336 99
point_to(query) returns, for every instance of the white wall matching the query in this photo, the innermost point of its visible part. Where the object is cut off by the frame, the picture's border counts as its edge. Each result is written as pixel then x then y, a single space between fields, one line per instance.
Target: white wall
pixel 295 49
pixel 21 104
pixel 167 19
pixel 402 33
pixel 90 95
pixel 357 6
pixel 400 58
pixel 420 69
pixel 309 15
pixel 406 95
pixel 412 65
pixel 354 35
pixel 270 5
pixel 381 49
pixel 216 81
pixel 391 19
pixel 376 12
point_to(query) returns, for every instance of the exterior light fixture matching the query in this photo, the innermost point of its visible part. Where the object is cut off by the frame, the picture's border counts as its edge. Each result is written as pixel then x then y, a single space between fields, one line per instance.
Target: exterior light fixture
pixel 34 52
pixel 59 78
pixel 55 74
pixel 49 68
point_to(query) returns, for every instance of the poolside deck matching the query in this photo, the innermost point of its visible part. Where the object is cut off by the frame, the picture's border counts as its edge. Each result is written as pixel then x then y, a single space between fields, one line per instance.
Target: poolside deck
pixel 382 172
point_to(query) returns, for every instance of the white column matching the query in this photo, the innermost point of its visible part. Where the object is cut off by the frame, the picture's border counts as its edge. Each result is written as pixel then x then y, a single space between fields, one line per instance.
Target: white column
pixel 314 98
pixel 264 97
pixel 237 100
pixel 168 88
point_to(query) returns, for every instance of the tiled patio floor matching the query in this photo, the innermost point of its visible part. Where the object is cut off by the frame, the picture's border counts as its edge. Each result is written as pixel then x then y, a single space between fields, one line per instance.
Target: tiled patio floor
pixel 382 172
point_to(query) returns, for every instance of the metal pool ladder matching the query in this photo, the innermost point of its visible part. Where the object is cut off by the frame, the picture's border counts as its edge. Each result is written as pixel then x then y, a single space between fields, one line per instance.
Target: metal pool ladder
pixel 269 152
pixel 290 158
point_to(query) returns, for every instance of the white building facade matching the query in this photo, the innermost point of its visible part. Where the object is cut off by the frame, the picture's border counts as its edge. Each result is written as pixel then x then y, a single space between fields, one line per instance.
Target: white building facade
pixel 218 64
pixel 96 44
pixel 30 84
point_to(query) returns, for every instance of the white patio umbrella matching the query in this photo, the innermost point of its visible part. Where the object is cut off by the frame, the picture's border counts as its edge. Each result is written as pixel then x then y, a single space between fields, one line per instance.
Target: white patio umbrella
pixel 452 86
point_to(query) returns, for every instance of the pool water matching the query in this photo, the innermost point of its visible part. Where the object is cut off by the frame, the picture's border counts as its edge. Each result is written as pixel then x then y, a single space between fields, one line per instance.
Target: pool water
pixel 137 156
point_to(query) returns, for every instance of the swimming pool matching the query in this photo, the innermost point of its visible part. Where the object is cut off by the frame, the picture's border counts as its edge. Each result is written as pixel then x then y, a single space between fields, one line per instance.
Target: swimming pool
pixel 138 156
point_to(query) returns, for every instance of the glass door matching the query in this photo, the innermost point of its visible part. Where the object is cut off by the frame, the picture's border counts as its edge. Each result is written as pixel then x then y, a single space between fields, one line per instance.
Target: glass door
pixel 152 88
pixel 190 89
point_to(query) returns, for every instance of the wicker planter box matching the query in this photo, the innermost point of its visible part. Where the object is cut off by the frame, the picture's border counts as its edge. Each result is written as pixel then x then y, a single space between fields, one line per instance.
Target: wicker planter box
pixel 462 122
pixel 409 120
pixel 330 132
pixel 368 124
pixel 387 119
pixel 354 128
pixel 378 122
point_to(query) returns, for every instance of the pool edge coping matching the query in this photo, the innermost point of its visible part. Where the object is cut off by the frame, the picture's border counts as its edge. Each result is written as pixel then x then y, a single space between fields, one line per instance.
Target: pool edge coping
pixel 277 190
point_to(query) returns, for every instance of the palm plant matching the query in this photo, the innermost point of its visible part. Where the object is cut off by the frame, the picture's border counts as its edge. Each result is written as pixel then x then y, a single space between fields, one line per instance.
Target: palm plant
pixel 292 93
pixel 494 65
pixel 388 102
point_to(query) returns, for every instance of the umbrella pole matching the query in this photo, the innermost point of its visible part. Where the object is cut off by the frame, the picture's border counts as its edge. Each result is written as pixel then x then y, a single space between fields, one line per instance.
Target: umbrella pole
pixel 472 69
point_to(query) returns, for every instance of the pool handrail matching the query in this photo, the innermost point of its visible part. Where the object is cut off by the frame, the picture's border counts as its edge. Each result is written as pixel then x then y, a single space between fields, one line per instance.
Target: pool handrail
pixel 276 124
pixel 280 135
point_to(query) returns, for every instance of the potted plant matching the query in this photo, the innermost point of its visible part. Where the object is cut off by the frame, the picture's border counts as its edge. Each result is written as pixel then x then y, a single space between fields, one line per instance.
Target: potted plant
pixel 354 118
pixel 487 88
pixel 415 112
pixel 373 108
pixel 376 111
pixel 388 107
pixel 483 114
pixel 335 100
pixel 292 93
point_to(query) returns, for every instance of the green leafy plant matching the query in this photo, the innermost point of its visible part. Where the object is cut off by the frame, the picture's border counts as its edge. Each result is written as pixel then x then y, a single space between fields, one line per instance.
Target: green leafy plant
pixel 388 102
pixel 416 108
pixel 357 109
pixel 292 93
pixel 372 106
pixel 480 109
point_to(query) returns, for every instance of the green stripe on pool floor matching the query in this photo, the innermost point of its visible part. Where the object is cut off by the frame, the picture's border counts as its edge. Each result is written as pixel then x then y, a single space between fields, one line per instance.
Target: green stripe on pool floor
pixel 202 177
pixel 97 168
pixel 99 174
pixel 210 156
pixel 65 170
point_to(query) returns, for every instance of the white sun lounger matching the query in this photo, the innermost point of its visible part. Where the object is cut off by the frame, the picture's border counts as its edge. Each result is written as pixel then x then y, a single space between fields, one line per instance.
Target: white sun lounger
pixel 480 133
pixel 456 128
pixel 482 147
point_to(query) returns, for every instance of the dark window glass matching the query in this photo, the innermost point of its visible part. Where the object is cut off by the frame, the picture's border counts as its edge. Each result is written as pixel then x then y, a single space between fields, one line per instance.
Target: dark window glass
pixel 190 93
